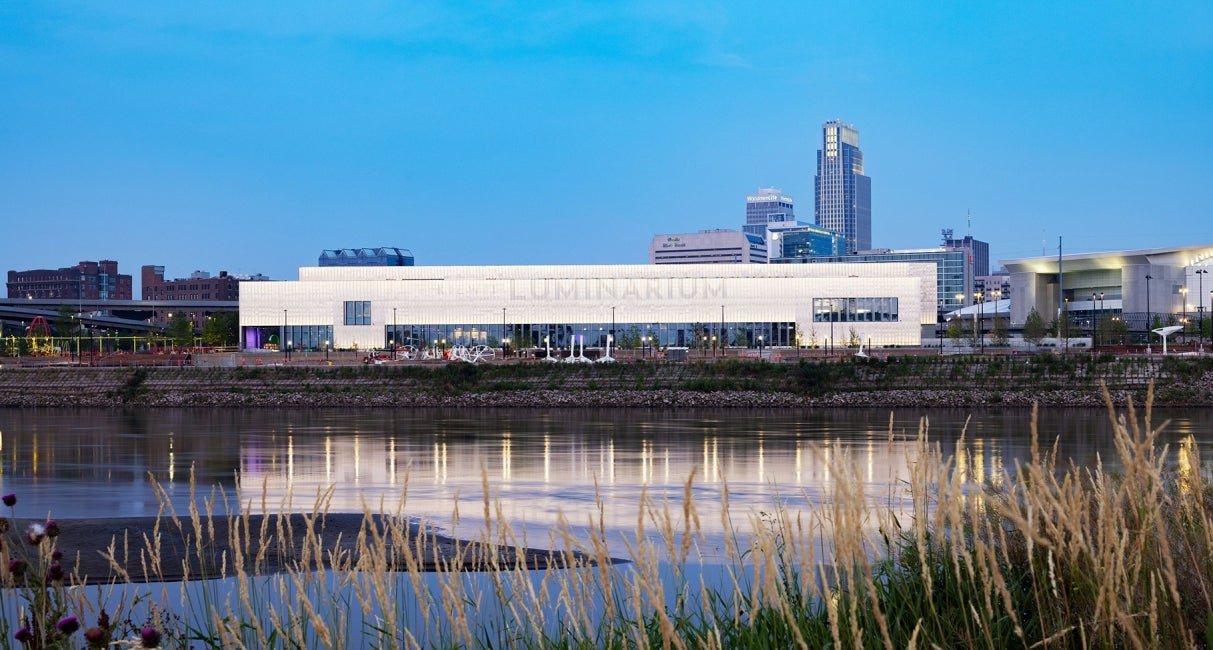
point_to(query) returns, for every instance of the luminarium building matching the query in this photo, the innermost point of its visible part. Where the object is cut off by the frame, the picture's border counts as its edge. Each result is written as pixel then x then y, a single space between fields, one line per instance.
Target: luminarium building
pixel 667 305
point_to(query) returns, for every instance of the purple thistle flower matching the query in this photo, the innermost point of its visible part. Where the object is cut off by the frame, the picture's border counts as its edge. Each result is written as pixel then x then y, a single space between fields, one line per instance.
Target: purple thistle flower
pixel 16 567
pixel 55 572
pixel 10 499
pixel 52 528
pixel 97 637
pixel 68 625
pixel 56 555
pixel 150 637
pixel 23 634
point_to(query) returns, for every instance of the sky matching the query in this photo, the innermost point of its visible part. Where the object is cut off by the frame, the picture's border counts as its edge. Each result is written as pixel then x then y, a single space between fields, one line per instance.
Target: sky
pixel 249 136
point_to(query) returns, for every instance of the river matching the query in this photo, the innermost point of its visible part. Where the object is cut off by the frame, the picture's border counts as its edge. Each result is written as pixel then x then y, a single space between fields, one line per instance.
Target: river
pixel 538 465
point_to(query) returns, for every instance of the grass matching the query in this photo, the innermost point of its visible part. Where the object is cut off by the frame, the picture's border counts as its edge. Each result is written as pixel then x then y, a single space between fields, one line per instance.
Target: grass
pixel 1048 555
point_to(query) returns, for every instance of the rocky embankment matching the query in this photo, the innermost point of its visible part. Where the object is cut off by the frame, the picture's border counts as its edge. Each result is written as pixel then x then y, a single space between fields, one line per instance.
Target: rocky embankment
pixel 737 385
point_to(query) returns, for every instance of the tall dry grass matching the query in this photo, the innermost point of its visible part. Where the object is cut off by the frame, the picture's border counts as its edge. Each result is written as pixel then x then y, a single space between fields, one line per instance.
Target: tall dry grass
pixel 1051 555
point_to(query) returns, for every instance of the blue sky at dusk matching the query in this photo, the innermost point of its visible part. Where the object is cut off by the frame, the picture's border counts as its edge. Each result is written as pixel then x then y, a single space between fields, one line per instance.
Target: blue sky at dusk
pixel 247 137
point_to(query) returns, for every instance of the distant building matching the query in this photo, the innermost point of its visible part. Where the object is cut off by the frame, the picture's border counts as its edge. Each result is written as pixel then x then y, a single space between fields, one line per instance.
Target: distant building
pixel 1144 289
pixel 803 240
pixel 842 193
pixel 382 256
pixel 200 286
pixel 708 247
pixel 977 254
pixel 953 281
pixel 995 286
pixel 86 280
pixel 769 205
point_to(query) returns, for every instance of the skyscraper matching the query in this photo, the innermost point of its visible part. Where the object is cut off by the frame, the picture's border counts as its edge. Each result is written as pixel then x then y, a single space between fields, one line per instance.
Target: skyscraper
pixel 769 205
pixel 843 194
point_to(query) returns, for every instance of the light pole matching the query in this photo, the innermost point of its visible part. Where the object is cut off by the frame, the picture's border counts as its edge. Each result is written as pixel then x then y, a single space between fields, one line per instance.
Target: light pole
pixel 1183 297
pixel 979 325
pixel 392 339
pixel 504 340
pixel 759 346
pixel 281 339
pixel 1064 324
pixel 326 349
pixel 1200 309
pixel 1149 314
pixel 1101 314
pixel 1094 325
pixel 612 333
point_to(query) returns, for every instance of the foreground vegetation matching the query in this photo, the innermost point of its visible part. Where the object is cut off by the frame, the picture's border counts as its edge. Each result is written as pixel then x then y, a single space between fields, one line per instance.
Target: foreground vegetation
pixel 1048 555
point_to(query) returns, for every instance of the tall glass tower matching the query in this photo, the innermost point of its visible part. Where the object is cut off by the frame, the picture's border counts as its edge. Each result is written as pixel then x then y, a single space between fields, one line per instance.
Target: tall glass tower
pixel 843 194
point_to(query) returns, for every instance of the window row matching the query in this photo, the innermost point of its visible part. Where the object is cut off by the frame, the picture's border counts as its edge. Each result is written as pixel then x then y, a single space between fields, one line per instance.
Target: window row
pixel 854 310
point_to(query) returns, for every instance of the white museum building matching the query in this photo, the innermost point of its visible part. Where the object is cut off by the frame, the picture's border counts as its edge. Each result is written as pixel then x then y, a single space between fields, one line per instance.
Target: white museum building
pixel 686 305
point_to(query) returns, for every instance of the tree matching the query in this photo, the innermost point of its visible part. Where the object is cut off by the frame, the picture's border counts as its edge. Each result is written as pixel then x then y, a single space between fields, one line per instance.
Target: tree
pixel 813 336
pixel 998 332
pixel 630 339
pixel 221 328
pixel 954 329
pixel 1034 328
pixel 180 330
pixel 853 340
pixel 66 322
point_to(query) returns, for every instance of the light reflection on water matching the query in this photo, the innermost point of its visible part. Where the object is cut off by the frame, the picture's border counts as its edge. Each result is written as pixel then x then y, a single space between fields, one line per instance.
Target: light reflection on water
pixel 538 464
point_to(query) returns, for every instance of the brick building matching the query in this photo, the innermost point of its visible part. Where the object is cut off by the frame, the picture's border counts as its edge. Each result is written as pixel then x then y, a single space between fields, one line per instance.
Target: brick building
pixel 86 280
pixel 200 286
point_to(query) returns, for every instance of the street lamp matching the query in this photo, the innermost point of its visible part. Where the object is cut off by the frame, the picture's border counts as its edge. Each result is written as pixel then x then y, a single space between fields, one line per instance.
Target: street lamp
pixel 1094 325
pixel 504 341
pixel 505 348
pixel 1149 314
pixel 1200 309
pixel 979 325
pixel 759 346
pixel 1183 297
pixel 1064 323
pixel 392 339
pixel 327 348
pixel 280 338
pixel 644 345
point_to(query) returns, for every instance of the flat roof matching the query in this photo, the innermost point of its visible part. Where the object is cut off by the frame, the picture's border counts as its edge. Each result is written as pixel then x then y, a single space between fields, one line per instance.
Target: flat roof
pixel 1173 256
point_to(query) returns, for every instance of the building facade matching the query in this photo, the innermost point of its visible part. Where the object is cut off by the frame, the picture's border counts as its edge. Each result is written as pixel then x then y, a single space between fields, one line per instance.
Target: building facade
pixel 1144 289
pixel 952 280
pixel 743 305
pixel 804 241
pixel 86 280
pixel 200 286
pixel 842 193
pixel 708 247
pixel 768 205
pixel 382 256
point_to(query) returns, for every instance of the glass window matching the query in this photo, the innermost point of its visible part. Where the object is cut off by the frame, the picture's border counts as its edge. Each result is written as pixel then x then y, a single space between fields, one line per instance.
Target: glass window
pixel 357 312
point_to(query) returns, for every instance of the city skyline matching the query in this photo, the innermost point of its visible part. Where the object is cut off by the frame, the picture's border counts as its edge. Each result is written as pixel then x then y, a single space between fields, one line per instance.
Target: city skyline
pixel 251 139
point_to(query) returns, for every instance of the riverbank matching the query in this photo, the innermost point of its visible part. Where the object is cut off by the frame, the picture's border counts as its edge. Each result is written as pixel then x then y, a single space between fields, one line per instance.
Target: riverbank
pixel 152 549
pixel 910 381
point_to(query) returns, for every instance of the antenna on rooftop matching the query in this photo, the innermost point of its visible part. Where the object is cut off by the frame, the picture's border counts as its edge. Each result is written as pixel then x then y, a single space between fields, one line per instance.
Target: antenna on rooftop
pixel 969 228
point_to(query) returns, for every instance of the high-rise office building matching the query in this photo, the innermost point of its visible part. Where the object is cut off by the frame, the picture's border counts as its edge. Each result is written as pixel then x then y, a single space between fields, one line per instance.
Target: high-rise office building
pixel 769 205
pixel 842 193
